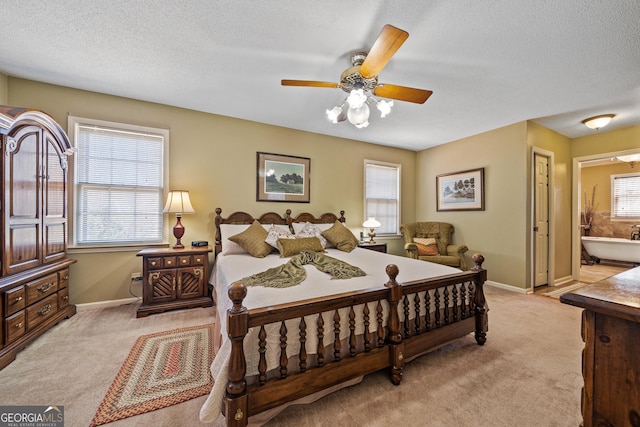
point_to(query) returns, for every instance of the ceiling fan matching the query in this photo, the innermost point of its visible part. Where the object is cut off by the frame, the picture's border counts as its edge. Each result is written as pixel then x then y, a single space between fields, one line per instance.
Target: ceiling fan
pixel 361 79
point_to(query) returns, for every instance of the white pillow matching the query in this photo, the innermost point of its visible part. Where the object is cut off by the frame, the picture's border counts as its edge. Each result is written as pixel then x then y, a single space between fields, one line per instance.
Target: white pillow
pixel 276 233
pixel 229 230
pixel 307 229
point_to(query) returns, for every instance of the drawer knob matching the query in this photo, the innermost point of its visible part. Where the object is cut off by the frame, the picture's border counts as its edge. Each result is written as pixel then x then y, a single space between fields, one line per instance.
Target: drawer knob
pixel 65 278
pixel 65 298
pixel 44 287
pixel 18 299
pixel 18 325
pixel 44 310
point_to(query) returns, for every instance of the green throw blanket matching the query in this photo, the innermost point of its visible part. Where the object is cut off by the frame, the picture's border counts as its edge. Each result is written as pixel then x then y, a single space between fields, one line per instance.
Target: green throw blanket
pixel 293 273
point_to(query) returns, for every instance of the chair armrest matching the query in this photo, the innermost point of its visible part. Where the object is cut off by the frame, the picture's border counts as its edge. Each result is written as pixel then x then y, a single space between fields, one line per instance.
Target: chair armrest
pixel 411 250
pixel 454 250
pixel 458 251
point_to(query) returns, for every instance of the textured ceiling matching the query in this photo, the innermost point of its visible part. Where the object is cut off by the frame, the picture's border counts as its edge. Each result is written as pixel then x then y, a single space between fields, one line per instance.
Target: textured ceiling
pixel 489 63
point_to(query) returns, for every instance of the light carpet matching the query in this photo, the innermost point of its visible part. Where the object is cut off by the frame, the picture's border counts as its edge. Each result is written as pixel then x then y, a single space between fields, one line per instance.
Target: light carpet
pixel 162 369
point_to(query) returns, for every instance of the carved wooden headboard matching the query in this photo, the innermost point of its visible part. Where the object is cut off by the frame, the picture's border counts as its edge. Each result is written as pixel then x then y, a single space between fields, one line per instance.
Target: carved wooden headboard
pixel 271 218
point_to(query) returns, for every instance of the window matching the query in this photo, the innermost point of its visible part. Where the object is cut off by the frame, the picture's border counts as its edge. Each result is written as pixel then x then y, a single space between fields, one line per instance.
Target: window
pixel 382 195
pixel 625 196
pixel 118 183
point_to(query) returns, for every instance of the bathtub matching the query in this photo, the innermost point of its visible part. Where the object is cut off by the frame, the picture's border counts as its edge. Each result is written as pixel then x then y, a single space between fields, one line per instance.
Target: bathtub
pixel 613 248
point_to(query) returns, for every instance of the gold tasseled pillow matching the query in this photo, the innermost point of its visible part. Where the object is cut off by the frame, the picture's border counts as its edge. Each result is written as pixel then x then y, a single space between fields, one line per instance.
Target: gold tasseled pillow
pixel 341 237
pixel 426 246
pixel 252 240
pixel 291 247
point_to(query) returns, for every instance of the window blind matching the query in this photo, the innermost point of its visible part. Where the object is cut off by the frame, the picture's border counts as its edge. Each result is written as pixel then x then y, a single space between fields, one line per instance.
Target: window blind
pixel 625 192
pixel 119 186
pixel 382 195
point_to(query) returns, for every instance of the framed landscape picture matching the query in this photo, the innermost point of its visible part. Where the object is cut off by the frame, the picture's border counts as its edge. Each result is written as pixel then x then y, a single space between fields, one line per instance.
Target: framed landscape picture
pixel 282 178
pixel 460 191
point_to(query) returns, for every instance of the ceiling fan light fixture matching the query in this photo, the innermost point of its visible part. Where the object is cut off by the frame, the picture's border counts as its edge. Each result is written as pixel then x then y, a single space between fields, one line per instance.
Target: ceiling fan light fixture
pixel 359 117
pixel 597 122
pixel 384 107
pixel 334 113
pixel 356 98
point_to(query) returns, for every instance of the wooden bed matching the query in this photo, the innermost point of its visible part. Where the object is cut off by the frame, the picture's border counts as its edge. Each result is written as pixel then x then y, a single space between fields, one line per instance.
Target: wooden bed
pixel 401 321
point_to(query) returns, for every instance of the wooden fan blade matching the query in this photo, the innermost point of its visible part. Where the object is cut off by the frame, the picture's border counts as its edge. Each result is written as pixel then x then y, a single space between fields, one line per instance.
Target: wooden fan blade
pixel 310 83
pixel 402 93
pixel 385 46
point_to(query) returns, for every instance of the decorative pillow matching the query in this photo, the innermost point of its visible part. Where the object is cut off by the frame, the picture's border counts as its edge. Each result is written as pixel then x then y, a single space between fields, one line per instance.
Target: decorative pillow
pixel 341 237
pixel 252 240
pixel 291 247
pixel 426 246
pixel 228 230
pixel 276 233
pixel 311 230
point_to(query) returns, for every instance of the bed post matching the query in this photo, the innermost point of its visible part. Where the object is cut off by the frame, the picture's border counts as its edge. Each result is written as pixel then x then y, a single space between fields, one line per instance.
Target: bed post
pixel 218 221
pixel 482 324
pixel 394 337
pixel 236 404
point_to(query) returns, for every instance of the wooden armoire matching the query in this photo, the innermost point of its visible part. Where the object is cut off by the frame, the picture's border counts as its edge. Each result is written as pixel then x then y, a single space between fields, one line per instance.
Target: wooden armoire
pixel 34 268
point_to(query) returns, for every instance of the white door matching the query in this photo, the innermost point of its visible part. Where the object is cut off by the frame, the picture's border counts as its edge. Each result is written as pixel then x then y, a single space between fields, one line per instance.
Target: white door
pixel 541 220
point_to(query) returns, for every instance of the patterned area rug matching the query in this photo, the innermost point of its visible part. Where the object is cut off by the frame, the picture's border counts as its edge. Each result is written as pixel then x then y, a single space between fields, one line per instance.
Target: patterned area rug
pixel 162 369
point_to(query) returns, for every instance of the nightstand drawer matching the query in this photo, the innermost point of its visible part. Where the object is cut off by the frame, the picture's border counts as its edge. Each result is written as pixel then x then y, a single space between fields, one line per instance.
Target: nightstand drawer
pixel 184 261
pixel 378 247
pixel 169 262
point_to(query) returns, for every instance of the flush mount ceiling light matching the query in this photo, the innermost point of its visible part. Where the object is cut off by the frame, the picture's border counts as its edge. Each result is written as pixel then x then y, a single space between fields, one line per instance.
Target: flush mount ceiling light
pixel 597 122
pixel 632 159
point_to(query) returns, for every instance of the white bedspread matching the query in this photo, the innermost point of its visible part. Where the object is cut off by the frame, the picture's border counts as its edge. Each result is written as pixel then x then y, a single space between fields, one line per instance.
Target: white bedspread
pixel 231 268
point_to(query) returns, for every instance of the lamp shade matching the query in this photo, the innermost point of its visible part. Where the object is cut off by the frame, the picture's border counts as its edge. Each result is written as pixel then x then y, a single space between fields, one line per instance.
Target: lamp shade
pixel 598 122
pixel 178 202
pixel 371 222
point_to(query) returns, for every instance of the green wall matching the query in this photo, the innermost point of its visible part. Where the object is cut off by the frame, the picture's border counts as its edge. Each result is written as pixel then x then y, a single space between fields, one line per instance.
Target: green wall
pixel 214 157
pixel 4 89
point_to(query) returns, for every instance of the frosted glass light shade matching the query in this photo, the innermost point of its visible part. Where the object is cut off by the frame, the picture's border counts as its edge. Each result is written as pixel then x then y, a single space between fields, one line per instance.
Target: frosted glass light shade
pixel 597 122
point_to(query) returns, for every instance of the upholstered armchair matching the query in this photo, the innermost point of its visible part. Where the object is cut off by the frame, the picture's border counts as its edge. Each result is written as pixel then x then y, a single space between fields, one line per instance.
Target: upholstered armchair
pixel 446 253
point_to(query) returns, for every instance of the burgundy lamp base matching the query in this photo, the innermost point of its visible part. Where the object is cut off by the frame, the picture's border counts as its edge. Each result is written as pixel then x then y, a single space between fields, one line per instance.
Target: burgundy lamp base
pixel 178 232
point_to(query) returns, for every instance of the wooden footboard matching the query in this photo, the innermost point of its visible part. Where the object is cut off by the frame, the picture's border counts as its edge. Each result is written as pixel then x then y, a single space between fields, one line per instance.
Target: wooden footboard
pixel 401 321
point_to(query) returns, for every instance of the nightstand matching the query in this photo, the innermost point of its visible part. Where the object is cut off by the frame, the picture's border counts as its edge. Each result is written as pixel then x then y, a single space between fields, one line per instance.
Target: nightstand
pixel 174 278
pixel 376 246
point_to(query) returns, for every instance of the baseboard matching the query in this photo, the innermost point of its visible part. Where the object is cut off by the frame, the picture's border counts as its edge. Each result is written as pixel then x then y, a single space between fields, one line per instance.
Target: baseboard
pixel 105 304
pixel 505 287
pixel 563 281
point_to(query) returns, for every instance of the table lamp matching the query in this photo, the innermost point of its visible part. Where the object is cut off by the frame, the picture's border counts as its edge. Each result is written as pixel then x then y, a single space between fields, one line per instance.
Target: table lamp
pixel 178 202
pixel 371 224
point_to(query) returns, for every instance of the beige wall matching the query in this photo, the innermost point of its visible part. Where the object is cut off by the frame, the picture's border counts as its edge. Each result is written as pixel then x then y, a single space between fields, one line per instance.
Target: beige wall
pixel 498 232
pixel 607 142
pixel 4 89
pixel 214 157
pixel 560 146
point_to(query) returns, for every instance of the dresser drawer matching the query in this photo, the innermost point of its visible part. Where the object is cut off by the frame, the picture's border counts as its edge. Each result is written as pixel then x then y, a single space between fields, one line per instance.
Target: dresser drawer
pixel 63 298
pixel 14 327
pixel 42 310
pixel 41 288
pixel 63 278
pixel 14 300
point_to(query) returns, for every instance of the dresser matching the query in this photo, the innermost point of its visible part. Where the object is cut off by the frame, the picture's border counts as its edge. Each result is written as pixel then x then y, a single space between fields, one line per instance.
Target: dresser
pixel 34 273
pixel 611 355
pixel 174 278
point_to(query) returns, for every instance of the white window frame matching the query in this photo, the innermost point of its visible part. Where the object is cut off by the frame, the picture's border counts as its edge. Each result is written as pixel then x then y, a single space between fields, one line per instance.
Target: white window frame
pixel 73 125
pixel 398 167
pixel 614 200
